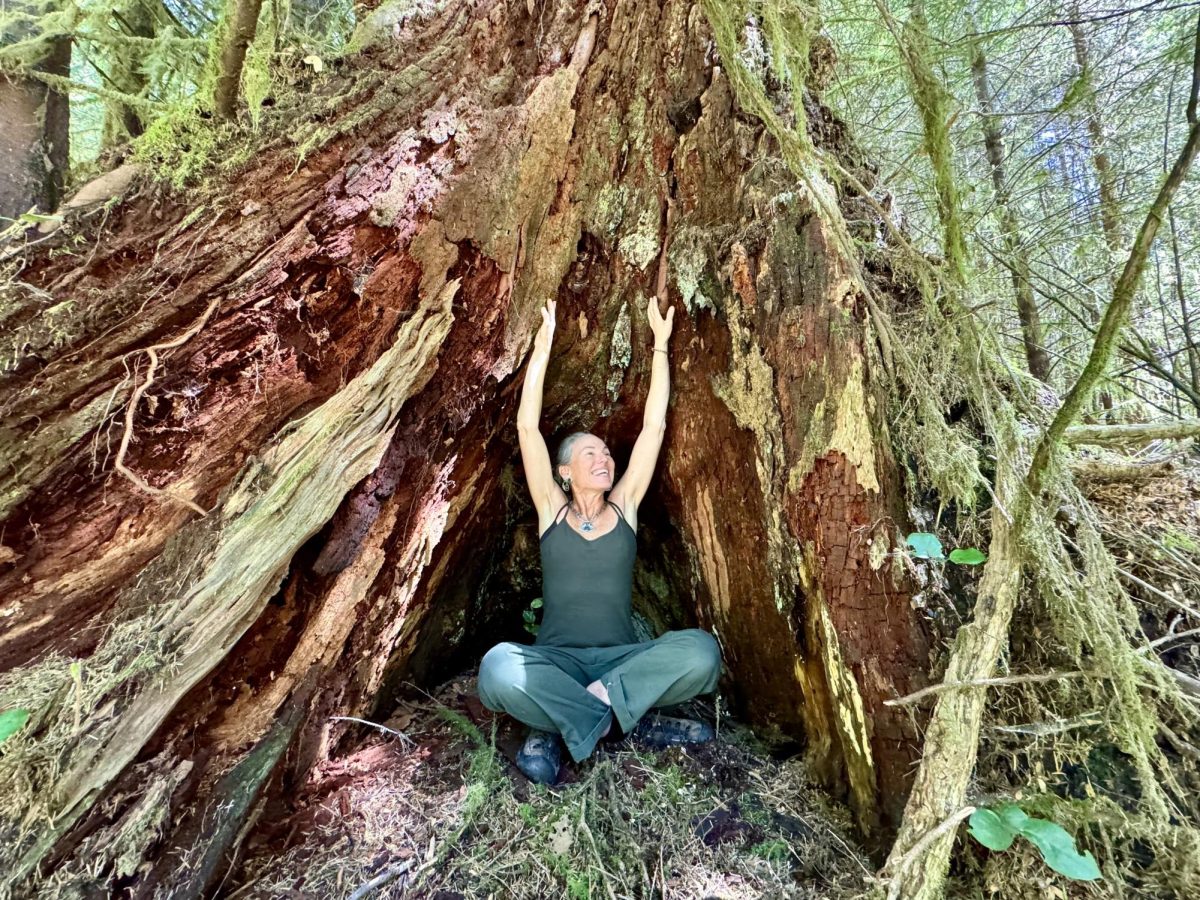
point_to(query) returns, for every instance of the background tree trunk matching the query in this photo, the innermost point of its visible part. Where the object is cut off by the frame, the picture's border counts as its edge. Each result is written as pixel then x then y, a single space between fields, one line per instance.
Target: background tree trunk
pixel 329 363
pixel 240 24
pixel 35 137
pixel 1027 310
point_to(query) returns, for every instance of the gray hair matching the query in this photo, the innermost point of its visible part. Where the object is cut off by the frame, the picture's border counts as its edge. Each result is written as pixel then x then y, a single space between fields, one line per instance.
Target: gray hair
pixel 563 457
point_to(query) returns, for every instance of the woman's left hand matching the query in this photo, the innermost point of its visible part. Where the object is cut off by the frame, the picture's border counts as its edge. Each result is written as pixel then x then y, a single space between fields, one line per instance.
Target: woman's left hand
pixel 660 326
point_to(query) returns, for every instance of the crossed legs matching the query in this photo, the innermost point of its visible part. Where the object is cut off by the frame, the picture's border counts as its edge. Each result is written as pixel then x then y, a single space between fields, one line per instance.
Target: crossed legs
pixel 578 691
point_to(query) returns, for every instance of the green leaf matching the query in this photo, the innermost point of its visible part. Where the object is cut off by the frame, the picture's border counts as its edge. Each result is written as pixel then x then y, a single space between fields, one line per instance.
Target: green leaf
pixel 990 830
pixel 11 721
pixel 1058 850
pixel 967 556
pixel 536 604
pixel 1013 816
pixel 925 545
pixel 528 615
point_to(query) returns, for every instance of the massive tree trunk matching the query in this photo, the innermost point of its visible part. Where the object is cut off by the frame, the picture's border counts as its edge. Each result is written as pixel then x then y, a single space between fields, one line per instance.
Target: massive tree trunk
pixel 268 471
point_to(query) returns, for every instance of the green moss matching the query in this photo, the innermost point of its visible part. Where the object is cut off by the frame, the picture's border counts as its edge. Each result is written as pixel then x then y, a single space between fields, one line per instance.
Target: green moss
pixel 1174 539
pixel 688 260
pixel 636 117
pixel 258 73
pixel 640 246
pixel 183 146
pixel 774 850
pixel 608 210
pixel 380 24
pixel 933 104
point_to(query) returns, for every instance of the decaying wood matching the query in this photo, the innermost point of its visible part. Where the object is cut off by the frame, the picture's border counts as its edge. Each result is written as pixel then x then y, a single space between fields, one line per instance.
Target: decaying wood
pixel 226 814
pixel 1100 470
pixel 367 524
pixel 276 504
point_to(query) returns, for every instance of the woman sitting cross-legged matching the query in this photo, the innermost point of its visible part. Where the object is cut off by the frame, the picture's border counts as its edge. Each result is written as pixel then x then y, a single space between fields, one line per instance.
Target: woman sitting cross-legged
pixel 586 666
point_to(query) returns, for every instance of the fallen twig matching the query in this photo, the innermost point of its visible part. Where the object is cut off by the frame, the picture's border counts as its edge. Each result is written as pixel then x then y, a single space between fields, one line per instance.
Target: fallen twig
pixel 389 874
pixel 1108 435
pixel 400 734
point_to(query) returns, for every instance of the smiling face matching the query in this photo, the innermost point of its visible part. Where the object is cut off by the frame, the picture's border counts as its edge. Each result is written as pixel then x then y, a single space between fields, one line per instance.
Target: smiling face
pixel 592 466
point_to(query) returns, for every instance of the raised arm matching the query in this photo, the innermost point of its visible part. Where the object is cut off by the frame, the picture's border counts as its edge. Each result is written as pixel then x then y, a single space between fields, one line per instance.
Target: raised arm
pixel 547 495
pixel 632 487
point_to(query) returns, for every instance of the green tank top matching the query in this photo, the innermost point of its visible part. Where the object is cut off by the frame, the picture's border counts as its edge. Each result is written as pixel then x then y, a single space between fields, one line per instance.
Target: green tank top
pixel 587 586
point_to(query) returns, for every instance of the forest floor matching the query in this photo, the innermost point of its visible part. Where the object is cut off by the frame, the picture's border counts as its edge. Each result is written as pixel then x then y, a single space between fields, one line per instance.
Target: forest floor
pixel 440 812
pixel 443 813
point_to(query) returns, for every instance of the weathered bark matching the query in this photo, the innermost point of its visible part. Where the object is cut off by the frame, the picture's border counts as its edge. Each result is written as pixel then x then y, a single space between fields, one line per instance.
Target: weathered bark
pixel 346 413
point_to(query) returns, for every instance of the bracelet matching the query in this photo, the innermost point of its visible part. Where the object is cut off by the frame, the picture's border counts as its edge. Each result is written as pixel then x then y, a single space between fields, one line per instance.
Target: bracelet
pixel 656 350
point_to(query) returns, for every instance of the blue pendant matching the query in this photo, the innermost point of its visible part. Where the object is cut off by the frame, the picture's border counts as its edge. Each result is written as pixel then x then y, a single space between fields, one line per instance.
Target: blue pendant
pixel 587 526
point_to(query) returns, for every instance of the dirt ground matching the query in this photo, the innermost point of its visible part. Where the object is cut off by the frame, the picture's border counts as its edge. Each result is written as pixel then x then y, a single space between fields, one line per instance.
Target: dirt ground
pixel 439 811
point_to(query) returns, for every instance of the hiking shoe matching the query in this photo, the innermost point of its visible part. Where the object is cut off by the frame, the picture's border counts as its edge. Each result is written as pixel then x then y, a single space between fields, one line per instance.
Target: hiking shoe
pixel 663 731
pixel 540 756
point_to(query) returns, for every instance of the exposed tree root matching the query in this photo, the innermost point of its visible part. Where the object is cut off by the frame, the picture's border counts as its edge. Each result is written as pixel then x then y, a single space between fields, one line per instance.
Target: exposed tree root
pixel 131 409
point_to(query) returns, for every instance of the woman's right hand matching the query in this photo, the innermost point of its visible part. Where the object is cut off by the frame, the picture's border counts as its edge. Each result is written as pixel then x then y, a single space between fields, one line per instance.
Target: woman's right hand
pixel 545 335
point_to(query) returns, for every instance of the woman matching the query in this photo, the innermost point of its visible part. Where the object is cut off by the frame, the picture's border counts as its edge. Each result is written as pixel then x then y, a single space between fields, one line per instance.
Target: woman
pixel 586 666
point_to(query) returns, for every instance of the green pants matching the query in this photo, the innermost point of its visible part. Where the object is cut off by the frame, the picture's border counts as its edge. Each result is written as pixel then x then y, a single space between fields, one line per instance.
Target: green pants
pixel 545 686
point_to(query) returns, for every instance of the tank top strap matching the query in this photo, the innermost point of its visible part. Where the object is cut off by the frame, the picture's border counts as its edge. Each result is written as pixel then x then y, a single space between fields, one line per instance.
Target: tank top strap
pixel 560 509
pixel 618 509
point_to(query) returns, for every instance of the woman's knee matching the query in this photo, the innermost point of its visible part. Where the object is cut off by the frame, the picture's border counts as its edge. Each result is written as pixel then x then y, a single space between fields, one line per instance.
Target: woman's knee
pixel 499 671
pixel 703 652
pixel 707 653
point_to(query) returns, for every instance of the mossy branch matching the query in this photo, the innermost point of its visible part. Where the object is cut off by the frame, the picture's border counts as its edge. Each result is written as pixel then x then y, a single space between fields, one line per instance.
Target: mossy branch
pixel 65 85
pixel 1119 435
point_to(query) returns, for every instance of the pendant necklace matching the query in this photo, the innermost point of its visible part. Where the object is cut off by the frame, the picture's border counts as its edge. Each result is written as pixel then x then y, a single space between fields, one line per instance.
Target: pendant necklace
pixel 587 523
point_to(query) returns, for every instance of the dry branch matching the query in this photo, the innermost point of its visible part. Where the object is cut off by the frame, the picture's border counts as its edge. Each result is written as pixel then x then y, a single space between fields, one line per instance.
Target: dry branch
pixel 1098 470
pixel 936 689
